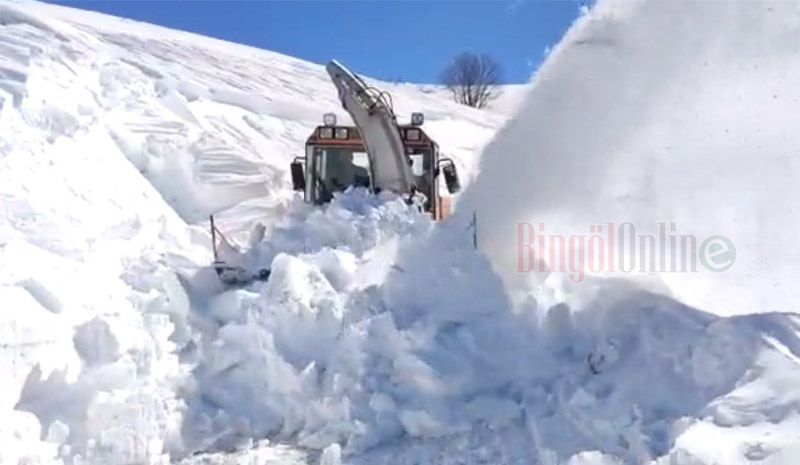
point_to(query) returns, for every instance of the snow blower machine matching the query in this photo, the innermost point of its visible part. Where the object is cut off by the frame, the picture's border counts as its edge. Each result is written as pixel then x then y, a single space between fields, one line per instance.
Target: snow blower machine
pixel 376 153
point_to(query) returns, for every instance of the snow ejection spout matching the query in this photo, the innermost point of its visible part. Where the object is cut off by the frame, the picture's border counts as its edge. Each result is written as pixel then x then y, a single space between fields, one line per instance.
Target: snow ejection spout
pixel 375 119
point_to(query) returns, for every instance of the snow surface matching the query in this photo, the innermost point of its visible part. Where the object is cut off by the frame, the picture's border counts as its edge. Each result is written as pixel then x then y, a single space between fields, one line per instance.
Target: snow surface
pixel 380 337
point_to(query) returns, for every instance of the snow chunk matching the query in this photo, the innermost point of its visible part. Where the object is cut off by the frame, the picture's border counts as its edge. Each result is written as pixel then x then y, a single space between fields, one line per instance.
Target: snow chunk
pixel 338 266
pixel 43 295
pixel 95 343
pixel 57 432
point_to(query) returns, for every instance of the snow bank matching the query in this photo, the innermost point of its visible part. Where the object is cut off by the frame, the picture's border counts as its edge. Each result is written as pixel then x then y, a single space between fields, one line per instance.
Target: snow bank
pixel 88 352
pixel 679 113
pixel 322 355
pixel 87 356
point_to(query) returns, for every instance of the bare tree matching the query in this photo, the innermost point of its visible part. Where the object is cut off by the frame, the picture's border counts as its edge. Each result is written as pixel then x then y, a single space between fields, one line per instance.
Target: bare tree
pixel 472 78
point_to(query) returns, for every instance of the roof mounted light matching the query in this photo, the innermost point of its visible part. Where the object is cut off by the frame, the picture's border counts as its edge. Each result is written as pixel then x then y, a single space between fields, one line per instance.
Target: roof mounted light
pixel 329 119
pixel 417 119
pixel 341 133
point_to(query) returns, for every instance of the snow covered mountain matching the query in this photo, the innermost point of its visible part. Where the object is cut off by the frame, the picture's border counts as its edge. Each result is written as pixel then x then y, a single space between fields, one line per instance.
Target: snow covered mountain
pixel 380 336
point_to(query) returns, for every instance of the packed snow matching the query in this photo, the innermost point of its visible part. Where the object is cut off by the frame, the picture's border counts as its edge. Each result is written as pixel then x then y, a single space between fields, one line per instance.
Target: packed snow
pixel 381 336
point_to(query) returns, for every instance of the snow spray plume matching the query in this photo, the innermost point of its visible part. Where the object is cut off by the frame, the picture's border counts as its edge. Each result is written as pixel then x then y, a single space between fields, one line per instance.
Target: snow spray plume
pixel 659 112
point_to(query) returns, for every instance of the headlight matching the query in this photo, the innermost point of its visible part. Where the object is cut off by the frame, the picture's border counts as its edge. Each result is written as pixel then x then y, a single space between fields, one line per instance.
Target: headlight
pixel 412 134
pixel 417 119
pixel 326 133
pixel 341 133
pixel 329 119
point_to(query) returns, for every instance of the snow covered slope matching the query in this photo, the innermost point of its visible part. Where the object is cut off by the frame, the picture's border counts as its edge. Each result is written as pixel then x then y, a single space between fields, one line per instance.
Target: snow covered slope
pixel 115 138
pixel 209 123
pixel 380 337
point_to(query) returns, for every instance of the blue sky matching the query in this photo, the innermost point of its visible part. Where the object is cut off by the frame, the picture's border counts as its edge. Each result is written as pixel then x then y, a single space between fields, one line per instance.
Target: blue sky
pixel 409 40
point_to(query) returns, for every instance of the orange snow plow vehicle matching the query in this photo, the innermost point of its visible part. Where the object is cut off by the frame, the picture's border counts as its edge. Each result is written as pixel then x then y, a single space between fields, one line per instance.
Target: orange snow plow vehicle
pixel 376 153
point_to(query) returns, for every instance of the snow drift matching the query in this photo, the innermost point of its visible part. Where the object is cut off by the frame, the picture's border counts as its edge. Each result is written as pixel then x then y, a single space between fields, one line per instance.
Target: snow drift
pixel 680 113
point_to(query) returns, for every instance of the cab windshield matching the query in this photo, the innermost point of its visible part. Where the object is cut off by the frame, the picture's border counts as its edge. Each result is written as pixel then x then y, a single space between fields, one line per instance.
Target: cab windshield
pixel 339 168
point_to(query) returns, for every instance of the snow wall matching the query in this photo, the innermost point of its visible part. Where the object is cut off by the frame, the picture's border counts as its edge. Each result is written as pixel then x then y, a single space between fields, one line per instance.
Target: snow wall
pixel 666 119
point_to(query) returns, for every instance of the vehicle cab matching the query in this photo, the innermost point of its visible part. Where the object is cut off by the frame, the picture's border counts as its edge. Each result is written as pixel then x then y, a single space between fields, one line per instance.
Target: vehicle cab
pixel 336 158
